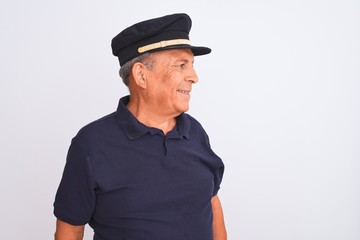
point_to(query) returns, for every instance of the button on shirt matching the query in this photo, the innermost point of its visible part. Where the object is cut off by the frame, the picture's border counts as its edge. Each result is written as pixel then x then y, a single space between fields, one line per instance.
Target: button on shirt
pixel 132 182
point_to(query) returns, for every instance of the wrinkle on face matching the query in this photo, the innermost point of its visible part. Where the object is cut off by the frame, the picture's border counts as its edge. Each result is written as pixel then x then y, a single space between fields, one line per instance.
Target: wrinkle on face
pixel 170 74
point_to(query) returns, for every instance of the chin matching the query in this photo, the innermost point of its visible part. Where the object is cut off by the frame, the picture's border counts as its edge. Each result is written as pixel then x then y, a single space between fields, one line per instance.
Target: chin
pixel 184 109
pixel 181 107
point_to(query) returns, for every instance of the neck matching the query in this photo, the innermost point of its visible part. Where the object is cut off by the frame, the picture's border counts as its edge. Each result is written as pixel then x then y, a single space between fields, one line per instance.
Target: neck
pixel 150 116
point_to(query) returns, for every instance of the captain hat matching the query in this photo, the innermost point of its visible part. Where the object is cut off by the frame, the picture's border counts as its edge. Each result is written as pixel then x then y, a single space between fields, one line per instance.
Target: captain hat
pixel 163 33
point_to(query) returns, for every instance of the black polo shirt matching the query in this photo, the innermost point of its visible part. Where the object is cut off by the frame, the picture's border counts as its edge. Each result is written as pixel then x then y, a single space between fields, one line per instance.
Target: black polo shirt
pixel 132 182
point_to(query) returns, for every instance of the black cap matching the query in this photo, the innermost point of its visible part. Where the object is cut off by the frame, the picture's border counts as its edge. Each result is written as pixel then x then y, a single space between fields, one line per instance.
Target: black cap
pixel 167 32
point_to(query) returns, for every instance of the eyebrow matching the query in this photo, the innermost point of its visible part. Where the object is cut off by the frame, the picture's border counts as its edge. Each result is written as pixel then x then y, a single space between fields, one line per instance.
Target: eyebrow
pixel 185 60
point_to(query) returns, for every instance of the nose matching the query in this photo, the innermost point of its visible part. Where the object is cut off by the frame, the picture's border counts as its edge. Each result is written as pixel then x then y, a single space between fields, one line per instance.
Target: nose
pixel 192 76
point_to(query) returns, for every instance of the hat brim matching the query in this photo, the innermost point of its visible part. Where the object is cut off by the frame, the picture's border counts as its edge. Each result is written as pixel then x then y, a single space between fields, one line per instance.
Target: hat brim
pixel 197 51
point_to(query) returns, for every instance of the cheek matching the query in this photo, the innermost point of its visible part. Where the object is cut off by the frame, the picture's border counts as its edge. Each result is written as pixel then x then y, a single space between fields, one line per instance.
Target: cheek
pixel 169 87
pixel 164 86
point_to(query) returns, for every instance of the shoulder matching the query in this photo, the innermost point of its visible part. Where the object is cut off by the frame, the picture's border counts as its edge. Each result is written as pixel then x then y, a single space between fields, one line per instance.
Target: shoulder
pixel 191 119
pixel 98 124
pixel 195 127
pixel 98 129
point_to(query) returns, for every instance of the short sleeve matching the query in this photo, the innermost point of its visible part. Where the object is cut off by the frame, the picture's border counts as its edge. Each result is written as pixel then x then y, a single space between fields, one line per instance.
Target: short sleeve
pixel 218 175
pixel 218 167
pixel 75 197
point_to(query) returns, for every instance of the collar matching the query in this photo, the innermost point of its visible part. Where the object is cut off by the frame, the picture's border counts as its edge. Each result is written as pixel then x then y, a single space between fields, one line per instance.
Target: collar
pixel 135 129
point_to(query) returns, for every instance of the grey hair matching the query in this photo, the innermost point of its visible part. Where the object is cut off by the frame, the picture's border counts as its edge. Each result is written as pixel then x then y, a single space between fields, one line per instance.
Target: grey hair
pixel 125 70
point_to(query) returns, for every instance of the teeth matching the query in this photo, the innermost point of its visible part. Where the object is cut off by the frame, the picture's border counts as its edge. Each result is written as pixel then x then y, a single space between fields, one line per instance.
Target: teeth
pixel 183 91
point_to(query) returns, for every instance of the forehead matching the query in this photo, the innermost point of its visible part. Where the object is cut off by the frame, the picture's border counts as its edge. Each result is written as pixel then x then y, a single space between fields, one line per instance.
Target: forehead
pixel 175 55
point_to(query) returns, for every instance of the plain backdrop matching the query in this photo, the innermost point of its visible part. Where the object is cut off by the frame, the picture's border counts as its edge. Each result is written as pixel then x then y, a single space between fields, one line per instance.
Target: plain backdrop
pixel 279 97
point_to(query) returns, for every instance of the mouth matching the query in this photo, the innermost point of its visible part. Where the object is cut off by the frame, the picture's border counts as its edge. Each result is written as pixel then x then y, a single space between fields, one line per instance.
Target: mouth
pixel 183 91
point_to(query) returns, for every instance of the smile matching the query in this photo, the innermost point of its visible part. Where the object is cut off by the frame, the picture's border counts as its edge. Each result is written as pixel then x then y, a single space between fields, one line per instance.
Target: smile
pixel 183 91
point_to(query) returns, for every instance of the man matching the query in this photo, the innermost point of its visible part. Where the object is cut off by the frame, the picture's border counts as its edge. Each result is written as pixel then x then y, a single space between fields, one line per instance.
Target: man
pixel 147 170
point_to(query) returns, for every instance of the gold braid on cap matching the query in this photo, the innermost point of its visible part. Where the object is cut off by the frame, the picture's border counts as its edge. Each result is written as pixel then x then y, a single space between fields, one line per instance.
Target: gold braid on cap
pixel 163 44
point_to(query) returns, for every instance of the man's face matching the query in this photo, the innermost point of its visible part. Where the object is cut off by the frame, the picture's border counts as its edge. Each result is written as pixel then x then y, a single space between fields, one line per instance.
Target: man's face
pixel 171 79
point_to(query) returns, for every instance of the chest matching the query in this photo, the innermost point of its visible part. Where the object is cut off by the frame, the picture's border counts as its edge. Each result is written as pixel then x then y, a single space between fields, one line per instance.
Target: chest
pixel 157 176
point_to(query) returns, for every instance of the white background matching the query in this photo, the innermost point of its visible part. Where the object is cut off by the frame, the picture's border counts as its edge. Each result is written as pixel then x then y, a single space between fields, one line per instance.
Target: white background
pixel 279 96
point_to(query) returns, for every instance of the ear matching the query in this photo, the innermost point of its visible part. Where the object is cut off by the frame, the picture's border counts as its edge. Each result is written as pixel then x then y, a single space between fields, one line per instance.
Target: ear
pixel 138 72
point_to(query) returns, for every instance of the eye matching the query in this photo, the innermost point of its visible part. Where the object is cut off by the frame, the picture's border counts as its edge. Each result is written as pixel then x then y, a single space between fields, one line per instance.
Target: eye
pixel 182 66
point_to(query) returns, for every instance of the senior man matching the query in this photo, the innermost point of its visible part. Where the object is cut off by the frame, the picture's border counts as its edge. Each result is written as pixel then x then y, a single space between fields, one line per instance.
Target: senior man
pixel 146 171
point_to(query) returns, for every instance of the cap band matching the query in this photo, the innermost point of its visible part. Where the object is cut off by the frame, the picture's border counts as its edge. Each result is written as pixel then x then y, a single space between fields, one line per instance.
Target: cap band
pixel 163 44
